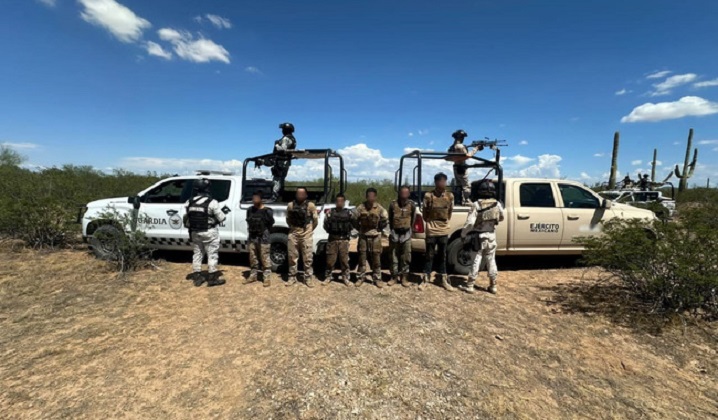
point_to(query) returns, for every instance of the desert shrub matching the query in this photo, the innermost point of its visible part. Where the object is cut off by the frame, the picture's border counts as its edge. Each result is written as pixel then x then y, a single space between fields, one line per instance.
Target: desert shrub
pixel 673 267
pixel 698 195
pixel 124 246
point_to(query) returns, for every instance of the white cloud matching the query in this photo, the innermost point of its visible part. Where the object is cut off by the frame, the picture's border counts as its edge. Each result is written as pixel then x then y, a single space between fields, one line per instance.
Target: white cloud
pixel 523 143
pixel 423 132
pixel 707 83
pixel 706 142
pixel 253 70
pixel 548 166
pixel 687 106
pixel 156 49
pixel 24 146
pixel 518 160
pixel 659 163
pixel 120 21
pixel 199 50
pixel 219 21
pixel 621 92
pixel 585 176
pixel 598 155
pixel 179 165
pixel 48 3
pixel 666 86
pixel 636 162
pixel 410 134
pixel 658 74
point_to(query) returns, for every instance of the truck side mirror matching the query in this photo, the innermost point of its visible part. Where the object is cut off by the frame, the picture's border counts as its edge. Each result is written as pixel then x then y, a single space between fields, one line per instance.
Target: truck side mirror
pixel 607 204
pixel 135 201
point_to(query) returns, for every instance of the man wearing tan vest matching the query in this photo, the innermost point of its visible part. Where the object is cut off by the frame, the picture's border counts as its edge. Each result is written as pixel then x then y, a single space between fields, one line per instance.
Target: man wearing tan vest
pixel 371 220
pixel 302 220
pixel 437 208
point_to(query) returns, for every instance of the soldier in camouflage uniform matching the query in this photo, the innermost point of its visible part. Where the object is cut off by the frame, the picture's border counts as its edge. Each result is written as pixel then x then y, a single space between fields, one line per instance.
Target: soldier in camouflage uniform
pixel 302 220
pixel 461 175
pixel 480 231
pixel 371 220
pixel 401 220
pixel 437 208
pixel 338 223
pixel 260 220
pixel 283 159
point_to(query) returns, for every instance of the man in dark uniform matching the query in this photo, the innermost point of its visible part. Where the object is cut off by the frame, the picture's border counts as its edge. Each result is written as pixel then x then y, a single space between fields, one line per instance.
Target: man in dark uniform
pixel 437 210
pixel 260 220
pixel 401 220
pixel 338 223
pixel 283 159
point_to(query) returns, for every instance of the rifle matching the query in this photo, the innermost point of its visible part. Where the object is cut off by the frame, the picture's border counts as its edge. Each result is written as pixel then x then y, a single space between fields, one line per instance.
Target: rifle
pixel 491 144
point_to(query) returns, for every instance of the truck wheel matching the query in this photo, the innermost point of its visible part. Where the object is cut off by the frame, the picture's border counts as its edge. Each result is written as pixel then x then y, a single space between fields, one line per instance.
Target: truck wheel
pixel 278 251
pixel 105 242
pixel 459 259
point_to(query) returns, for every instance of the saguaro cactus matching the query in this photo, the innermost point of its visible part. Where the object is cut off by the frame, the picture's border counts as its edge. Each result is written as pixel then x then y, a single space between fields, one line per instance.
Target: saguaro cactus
pixel 653 165
pixel 688 169
pixel 614 162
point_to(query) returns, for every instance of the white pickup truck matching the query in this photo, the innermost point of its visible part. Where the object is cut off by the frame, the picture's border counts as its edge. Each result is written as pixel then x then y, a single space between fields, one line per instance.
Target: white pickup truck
pixel 161 207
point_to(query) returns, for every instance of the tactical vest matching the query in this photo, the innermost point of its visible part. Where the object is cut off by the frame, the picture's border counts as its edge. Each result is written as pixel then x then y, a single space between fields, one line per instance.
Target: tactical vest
pixel 299 215
pixel 198 214
pixel 439 207
pixel 369 219
pixel 340 223
pixel 256 221
pixel 401 216
pixel 489 211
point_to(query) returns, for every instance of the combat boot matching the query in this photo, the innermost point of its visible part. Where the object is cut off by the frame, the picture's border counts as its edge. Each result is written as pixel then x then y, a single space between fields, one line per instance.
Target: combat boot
pixel 198 279
pixel 445 283
pixel 360 280
pixel 215 279
pixel 469 287
pixel 405 280
pixel 347 279
pixel 309 281
pixel 392 281
pixel 267 278
pixel 492 286
pixel 252 277
pixel 423 280
pixel 379 283
pixel 327 279
pixel 291 281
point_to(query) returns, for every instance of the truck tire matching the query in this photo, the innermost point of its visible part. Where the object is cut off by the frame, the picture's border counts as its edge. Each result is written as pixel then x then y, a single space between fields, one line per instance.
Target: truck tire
pixel 278 254
pixel 105 241
pixel 458 258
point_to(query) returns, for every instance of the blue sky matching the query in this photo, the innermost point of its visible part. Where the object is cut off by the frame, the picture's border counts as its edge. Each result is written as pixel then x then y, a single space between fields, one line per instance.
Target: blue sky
pixel 171 86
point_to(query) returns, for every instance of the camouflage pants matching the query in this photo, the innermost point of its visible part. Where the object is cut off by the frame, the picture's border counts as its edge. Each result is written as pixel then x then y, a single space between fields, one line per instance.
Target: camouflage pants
pixel 301 242
pixel 462 181
pixel 400 257
pixel 369 248
pixel 259 257
pixel 338 248
pixel 485 257
pixel 205 243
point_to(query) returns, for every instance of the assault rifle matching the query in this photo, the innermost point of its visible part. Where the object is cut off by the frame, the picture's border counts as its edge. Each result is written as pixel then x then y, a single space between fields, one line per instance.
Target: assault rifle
pixel 491 144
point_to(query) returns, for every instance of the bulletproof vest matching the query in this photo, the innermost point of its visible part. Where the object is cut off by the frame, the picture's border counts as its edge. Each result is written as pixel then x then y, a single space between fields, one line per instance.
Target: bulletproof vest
pixel 198 214
pixel 299 214
pixel 256 221
pixel 401 216
pixel 292 142
pixel 439 207
pixel 369 219
pixel 489 211
pixel 340 222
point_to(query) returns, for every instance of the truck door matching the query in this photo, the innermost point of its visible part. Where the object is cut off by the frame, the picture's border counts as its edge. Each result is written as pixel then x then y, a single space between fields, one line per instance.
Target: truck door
pixel 582 214
pixel 536 221
pixel 221 190
pixel 160 213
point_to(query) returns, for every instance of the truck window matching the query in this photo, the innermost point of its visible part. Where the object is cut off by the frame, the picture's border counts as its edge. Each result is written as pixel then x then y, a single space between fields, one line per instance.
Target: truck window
pixel 168 192
pixel 220 188
pixel 536 195
pixel 577 198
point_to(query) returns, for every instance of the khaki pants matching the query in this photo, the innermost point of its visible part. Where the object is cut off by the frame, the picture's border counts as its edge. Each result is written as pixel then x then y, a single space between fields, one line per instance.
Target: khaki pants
pixel 485 257
pixel 462 181
pixel 205 243
pixel 259 257
pixel 369 248
pixel 338 248
pixel 400 257
pixel 301 242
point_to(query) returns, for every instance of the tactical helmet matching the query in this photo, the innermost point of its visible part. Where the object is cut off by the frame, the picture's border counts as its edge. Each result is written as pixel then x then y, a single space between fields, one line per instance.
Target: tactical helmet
pixel 486 189
pixel 287 127
pixel 202 185
pixel 459 135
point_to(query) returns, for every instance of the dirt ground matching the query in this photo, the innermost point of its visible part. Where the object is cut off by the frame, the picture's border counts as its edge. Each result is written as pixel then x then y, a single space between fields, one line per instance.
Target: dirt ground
pixel 77 341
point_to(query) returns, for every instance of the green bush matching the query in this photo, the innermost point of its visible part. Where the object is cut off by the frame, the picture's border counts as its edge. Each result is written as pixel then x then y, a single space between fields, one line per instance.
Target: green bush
pixel 671 266
pixel 124 246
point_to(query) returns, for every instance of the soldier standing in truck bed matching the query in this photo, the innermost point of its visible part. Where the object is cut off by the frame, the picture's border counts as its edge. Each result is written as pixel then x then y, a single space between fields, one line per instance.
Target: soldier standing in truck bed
pixel 283 159
pixel 461 175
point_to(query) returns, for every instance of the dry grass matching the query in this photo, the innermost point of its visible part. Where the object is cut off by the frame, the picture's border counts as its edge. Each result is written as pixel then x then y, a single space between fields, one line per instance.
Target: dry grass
pixel 78 342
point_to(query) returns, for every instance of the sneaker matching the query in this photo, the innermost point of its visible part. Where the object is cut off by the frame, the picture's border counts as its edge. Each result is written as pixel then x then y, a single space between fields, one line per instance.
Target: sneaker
pixel 422 282
pixel 347 279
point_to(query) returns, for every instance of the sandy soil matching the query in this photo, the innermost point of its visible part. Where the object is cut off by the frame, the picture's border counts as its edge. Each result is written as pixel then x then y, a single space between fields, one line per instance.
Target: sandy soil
pixel 77 341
